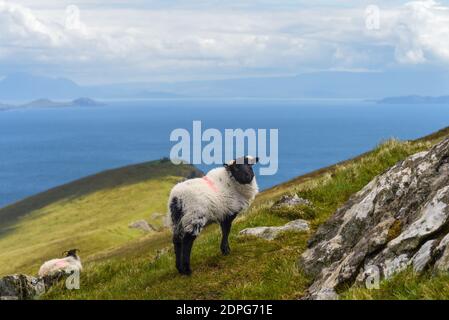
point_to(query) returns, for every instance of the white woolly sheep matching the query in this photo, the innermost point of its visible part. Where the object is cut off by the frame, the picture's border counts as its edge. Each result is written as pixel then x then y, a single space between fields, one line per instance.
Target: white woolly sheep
pixel 218 197
pixel 71 262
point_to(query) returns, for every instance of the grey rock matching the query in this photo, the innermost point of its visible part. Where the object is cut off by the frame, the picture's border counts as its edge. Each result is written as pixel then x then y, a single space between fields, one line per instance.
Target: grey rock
pixel 24 287
pixel 422 258
pixel 291 201
pixel 20 287
pixel 142 225
pixel 271 233
pixel 395 221
pixel 442 254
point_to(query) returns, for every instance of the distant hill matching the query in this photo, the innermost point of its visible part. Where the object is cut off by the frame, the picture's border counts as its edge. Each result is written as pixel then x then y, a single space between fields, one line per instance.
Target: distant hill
pixel 414 99
pixel 47 103
pixel 86 102
pixel 24 86
pixel 43 103
pixel 312 85
pixel 317 85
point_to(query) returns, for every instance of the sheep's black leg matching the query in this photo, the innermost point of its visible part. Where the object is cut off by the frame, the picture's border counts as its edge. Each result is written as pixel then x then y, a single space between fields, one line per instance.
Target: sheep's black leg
pixel 225 230
pixel 177 243
pixel 176 215
pixel 187 243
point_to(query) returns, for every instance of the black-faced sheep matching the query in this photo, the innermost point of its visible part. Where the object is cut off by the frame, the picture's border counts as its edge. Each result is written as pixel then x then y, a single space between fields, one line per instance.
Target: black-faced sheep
pixel 217 197
pixel 71 262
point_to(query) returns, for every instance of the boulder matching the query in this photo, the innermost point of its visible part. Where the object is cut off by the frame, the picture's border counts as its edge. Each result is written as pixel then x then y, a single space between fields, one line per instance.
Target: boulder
pixel 20 287
pixel 142 225
pixel 271 233
pixel 290 201
pixel 24 287
pixel 399 219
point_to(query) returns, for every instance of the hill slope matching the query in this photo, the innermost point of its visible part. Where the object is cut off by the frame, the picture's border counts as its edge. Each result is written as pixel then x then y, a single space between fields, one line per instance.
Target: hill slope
pixel 91 214
pixel 143 267
pixel 256 269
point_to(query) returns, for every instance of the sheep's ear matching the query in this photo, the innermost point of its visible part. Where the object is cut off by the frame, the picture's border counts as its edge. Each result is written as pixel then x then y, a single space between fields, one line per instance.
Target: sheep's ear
pixel 252 160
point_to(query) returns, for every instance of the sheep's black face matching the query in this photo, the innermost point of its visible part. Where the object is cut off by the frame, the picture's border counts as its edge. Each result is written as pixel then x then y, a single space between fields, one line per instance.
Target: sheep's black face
pixel 71 253
pixel 242 169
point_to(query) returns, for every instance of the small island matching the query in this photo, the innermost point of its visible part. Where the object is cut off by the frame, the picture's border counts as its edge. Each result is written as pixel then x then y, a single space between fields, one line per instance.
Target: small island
pixel 415 99
pixel 47 103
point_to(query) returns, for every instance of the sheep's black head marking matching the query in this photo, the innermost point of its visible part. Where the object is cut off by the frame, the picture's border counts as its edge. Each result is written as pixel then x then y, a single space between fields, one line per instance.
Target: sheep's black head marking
pixel 242 169
pixel 70 253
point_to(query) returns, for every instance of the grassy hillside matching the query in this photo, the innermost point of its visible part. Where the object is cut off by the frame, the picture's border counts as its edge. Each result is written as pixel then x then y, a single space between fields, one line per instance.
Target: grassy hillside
pixel 91 214
pixel 406 285
pixel 256 269
pixel 136 267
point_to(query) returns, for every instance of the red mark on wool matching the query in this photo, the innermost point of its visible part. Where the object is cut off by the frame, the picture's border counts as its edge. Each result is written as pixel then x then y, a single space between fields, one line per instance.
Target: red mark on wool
pixel 210 183
pixel 61 264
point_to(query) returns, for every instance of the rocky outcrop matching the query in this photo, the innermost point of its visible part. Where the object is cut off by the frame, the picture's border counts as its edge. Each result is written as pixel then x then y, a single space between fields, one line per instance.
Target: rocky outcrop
pixel 24 287
pixel 288 201
pixel 399 220
pixel 271 233
pixel 142 225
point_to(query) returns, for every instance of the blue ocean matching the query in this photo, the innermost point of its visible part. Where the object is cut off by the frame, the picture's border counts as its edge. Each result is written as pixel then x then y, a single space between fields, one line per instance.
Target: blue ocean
pixel 43 148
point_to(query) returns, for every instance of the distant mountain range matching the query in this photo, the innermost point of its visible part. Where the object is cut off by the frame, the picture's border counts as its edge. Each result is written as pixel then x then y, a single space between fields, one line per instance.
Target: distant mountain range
pixel 24 86
pixel 317 85
pixel 415 100
pixel 47 103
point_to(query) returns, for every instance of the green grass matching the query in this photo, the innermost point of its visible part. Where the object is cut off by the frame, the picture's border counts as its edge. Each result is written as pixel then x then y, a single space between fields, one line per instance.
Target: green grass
pixel 256 269
pixel 406 285
pixel 143 268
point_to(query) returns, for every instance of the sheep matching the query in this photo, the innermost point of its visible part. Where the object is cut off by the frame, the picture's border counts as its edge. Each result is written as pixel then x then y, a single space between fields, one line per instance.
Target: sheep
pixel 217 197
pixel 71 262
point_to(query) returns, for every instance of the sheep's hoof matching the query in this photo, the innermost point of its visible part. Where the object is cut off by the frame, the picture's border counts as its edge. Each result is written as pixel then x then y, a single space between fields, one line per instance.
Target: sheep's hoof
pixel 187 272
pixel 226 251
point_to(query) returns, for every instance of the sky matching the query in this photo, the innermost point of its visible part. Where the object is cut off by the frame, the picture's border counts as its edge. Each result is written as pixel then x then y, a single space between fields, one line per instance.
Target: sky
pixel 94 41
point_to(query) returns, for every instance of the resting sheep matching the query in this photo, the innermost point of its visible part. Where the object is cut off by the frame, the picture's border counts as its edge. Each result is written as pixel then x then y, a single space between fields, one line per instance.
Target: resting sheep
pixel 217 197
pixel 71 262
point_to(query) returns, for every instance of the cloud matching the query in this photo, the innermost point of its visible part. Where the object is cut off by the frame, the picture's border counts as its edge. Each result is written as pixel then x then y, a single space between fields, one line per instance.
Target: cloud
pixel 423 32
pixel 130 40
